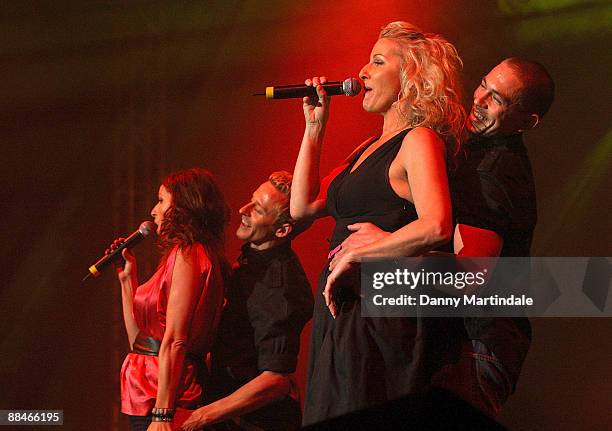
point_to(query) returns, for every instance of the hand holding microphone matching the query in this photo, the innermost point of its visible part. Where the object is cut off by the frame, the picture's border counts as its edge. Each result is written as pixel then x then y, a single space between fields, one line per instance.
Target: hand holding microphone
pixel 316 93
pixel 127 264
pixel 348 87
pixel 316 109
pixel 115 251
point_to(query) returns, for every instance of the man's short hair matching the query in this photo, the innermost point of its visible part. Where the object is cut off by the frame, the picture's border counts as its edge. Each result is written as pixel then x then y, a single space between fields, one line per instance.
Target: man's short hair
pixel 538 89
pixel 281 180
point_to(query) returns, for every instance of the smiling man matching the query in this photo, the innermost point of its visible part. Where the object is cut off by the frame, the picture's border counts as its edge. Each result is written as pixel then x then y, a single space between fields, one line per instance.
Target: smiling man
pixel 494 204
pixel 509 100
pixel 494 193
pixel 269 301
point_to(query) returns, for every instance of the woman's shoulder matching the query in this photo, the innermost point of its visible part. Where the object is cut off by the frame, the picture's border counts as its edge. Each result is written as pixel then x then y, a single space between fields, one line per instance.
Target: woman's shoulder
pixel 422 133
pixel 195 254
pixel 422 138
pixel 421 145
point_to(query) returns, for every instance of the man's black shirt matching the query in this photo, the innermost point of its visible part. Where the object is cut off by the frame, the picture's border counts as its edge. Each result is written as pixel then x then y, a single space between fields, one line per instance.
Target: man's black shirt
pixel 269 301
pixel 493 189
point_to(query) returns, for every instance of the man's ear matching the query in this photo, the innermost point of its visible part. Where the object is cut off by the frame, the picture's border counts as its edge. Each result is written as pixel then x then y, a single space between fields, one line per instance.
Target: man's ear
pixel 284 230
pixel 530 122
pixel 535 120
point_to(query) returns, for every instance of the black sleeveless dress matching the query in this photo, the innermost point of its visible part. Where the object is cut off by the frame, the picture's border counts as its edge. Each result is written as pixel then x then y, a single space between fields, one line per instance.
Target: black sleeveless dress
pixel 356 362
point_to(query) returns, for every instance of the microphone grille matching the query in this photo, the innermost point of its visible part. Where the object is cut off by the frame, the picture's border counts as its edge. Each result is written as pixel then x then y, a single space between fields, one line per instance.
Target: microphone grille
pixel 351 87
pixel 146 227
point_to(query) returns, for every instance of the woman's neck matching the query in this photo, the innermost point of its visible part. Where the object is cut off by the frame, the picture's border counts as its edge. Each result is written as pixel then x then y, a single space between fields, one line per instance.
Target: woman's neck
pixel 393 121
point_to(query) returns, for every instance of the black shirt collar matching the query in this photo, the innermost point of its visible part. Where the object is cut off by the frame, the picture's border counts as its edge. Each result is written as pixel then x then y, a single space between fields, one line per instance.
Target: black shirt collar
pixel 251 255
pixel 515 140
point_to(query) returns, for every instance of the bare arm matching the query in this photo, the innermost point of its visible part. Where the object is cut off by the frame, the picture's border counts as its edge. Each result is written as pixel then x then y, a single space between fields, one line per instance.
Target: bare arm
pixel 128 278
pixel 128 287
pixel 262 390
pixel 185 289
pixel 306 202
pixel 306 186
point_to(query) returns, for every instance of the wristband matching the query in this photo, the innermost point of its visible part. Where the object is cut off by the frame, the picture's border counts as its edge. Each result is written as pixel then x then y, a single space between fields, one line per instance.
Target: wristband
pixel 162 415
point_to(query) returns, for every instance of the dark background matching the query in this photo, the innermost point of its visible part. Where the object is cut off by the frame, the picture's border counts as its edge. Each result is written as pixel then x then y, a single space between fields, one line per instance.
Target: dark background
pixel 100 100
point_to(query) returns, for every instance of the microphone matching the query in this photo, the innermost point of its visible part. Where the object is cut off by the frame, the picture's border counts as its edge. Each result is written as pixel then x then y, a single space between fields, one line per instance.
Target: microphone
pixel 146 227
pixel 348 87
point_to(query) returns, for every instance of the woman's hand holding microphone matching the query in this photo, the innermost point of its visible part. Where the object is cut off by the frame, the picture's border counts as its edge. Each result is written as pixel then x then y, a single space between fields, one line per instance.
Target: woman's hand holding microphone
pixel 316 112
pixel 126 266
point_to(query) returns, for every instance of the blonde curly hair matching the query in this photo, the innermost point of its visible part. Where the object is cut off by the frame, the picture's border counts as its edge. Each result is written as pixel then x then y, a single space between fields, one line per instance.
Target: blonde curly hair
pixel 430 81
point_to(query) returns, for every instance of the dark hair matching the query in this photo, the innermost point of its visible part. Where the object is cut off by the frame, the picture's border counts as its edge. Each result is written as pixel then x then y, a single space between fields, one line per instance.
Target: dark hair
pixel 538 90
pixel 198 212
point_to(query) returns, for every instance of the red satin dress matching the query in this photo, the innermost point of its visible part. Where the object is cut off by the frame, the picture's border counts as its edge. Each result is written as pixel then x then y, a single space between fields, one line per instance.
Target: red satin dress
pixel 139 373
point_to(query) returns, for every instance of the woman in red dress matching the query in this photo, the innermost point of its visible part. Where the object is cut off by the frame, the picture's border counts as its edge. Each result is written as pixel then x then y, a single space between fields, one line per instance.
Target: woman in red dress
pixel 171 319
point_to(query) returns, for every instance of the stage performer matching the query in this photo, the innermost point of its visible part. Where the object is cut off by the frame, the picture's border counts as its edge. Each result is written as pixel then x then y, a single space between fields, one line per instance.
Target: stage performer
pixel 172 318
pixel 494 202
pixel 269 301
pixel 398 182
